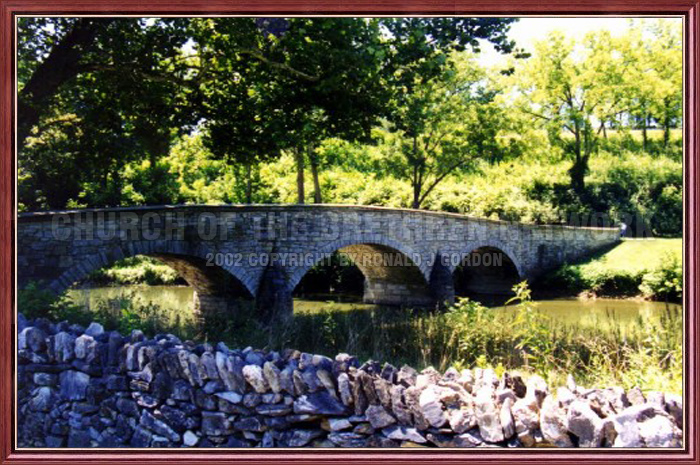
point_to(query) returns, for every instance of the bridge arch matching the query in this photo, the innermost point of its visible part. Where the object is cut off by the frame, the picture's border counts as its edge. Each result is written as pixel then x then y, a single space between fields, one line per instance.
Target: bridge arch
pixel 489 267
pixel 394 273
pixel 215 286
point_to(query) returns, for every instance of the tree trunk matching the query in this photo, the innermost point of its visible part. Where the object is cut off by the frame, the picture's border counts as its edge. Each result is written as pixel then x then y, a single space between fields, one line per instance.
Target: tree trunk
pixel 313 160
pixel 577 172
pixel 299 155
pixel 59 67
pixel 416 182
pixel 644 132
pixel 249 184
pixel 667 125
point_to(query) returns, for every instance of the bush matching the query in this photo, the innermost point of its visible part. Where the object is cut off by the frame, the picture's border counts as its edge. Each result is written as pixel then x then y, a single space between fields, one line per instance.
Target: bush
pixel 665 282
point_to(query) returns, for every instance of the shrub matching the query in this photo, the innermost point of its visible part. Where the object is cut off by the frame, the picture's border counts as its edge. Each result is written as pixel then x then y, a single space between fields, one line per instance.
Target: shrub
pixel 665 282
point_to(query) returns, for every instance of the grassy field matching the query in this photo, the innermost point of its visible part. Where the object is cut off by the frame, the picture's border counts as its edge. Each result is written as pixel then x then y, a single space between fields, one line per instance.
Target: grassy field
pixel 636 255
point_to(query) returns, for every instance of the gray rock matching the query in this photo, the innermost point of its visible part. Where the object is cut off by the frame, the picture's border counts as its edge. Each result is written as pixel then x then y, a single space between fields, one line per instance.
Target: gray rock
pixel 157 426
pixel 379 417
pixel 348 439
pixel 326 380
pixel 81 438
pixel 636 396
pixel 537 387
pixel 565 396
pixel 250 424
pixel 299 437
pixel 469 439
pixel 251 399
pixel 488 416
pixel 406 376
pixel 141 438
pixel 85 348
pixel 32 338
pixel 73 384
pixel 506 418
pixel 287 380
pixel 553 423
pixel 526 418
pixel 21 323
pixel 208 361
pixel 626 425
pixel 463 419
pixel 272 398
pixel 274 410
pixel 178 419
pixel 215 424
pixel 431 406
pixel 230 369
pixel 64 347
pixel 43 399
pixel 398 406
pixel 254 376
pixel 404 433
pixel 428 377
pixel 660 431
pixel 466 380
pixel 339 424
pixel 230 396
pixel 55 441
pixel 212 387
pixel 181 390
pixel 318 403
pixel 272 376
pixel 674 406
pixel 45 379
pixel 345 389
pixel 583 422
pixel 94 329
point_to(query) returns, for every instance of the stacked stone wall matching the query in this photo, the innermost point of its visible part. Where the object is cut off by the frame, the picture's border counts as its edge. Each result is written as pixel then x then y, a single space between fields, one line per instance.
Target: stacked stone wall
pixel 86 387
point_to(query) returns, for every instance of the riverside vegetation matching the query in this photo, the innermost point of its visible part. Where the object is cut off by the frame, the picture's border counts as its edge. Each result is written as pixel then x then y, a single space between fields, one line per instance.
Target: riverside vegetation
pixel 647 353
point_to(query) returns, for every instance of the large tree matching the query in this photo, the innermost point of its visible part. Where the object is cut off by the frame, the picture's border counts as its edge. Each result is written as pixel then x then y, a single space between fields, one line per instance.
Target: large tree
pixel 446 125
pixel 573 93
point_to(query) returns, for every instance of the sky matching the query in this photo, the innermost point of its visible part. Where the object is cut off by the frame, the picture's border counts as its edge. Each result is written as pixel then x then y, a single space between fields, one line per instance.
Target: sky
pixel 527 31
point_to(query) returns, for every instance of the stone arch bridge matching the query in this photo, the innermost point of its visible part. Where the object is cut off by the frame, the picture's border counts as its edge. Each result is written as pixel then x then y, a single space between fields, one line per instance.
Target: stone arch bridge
pixel 261 252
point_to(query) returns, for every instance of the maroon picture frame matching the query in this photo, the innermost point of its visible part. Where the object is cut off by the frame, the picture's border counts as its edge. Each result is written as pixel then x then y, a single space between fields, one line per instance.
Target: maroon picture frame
pixel 8 173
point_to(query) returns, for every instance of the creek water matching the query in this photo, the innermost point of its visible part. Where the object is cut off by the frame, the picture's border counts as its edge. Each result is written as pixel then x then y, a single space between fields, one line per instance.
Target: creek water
pixel 601 313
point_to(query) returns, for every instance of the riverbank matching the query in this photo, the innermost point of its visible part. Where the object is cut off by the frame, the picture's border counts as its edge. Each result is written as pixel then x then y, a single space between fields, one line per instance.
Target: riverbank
pixel 635 268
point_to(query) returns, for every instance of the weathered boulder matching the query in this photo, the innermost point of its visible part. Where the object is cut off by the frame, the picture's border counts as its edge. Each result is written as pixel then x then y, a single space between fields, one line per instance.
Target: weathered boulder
pixel 379 417
pixel 319 403
pixel 488 416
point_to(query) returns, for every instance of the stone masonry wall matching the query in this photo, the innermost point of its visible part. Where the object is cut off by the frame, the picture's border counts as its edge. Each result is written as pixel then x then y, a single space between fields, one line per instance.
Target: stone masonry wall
pixel 84 387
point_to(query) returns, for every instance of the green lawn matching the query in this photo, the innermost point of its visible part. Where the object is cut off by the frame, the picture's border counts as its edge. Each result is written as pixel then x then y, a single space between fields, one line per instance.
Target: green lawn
pixel 635 255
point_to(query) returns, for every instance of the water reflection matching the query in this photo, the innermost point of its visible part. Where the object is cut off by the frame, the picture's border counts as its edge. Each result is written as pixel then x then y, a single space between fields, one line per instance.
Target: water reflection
pixel 594 313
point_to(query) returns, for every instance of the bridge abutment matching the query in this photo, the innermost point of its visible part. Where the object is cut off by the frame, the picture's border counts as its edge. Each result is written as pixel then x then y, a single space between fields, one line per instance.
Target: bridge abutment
pixel 386 292
pixel 441 283
pixel 274 300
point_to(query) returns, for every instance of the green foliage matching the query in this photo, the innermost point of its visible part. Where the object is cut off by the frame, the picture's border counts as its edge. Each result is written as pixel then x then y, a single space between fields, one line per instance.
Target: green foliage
pixel 35 301
pixel 136 270
pixel 648 354
pixel 665 282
